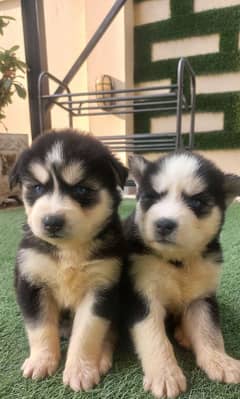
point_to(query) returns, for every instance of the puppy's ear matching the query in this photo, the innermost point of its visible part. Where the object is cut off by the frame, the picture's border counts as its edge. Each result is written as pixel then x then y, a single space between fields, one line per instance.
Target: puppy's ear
pixel 231 187
pixel 15 174
pixel 137 166
pixel 119 170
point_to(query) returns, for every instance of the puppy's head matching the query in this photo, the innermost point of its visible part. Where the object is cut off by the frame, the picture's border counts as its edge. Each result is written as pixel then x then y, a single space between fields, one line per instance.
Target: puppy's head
pixel 69 185
pixel 181 201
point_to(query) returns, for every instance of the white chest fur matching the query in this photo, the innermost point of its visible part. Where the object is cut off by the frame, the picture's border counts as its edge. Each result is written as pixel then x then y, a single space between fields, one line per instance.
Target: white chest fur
pixel 69 277
pixel 174 287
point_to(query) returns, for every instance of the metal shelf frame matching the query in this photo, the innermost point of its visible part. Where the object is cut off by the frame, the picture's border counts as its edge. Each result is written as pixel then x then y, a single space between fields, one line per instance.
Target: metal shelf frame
pixel 175 99
pixel 128 101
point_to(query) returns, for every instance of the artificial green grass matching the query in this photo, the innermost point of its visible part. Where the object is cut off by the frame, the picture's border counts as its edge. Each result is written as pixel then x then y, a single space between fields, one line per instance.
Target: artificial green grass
pixel 125 379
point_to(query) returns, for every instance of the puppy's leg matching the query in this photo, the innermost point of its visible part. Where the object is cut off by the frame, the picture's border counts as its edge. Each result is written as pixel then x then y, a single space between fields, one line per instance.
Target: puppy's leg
pixel 201 326
pixel 89 330
pixel 107 352
pixel 42 330
pixel 162 375
pixel 181 338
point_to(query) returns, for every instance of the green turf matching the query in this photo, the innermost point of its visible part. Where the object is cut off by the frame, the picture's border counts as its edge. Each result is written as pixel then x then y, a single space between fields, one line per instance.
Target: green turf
pixel 125 379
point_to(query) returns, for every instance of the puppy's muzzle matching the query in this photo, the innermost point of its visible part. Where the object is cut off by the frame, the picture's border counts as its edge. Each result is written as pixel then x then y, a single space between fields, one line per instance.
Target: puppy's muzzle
pixel 53 225
pixel 164 227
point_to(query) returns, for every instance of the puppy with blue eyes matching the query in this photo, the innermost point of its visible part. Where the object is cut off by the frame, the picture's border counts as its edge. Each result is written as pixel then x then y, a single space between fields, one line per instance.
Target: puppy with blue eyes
pixel 174 266
pixel 69 260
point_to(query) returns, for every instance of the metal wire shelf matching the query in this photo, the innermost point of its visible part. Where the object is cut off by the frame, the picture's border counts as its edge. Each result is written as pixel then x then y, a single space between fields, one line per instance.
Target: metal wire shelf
pixel 167 98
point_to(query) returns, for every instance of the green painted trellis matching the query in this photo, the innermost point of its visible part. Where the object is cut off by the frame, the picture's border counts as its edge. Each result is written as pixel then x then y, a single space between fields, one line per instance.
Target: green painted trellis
pixel 185 23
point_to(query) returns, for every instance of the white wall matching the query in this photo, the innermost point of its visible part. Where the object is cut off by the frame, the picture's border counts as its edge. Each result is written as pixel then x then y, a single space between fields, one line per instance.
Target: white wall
pixel 17 114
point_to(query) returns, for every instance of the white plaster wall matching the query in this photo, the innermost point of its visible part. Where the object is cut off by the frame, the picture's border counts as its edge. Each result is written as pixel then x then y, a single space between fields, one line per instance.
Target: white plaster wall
pixel 66 37
pixel 204 122
pixel 227 160
pixel 221 83
pixel 203 5
pixel 112 56
pixel 17 114
pixel 205 44
pixel 151 11
pixel 162 82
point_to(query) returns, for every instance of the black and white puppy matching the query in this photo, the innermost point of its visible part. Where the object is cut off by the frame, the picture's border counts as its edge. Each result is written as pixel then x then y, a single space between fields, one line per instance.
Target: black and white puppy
pixel 175 257
pixel 70 255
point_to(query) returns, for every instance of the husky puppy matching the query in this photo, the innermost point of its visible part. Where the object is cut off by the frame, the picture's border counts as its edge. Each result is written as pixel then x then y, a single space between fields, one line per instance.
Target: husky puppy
pixel 70 256
pixel 175 258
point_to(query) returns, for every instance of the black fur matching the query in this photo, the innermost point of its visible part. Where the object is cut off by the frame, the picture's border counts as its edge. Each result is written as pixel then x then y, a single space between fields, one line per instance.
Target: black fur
pixel 29 240
pixel 100 163
pixel 213 310
pixel 149 198
pixel 201 204
pixel 214 250
pixel 112 243
pixel 28 296
pixel 134 242
pixel 135 306
pixel 107 303
pixel 176 263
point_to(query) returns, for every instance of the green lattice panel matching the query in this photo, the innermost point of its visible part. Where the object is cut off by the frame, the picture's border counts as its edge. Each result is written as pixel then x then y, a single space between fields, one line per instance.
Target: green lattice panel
pixel 184 23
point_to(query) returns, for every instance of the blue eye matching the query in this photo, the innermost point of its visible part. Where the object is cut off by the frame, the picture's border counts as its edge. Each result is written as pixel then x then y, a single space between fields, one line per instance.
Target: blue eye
pixel 196 203
pixel 38 189
pixel 81 190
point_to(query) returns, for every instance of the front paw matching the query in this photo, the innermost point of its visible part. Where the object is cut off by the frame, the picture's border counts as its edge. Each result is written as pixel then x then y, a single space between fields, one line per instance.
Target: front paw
pixel 165 382
pixel 40 365
pixel 81 376
pixel 221 367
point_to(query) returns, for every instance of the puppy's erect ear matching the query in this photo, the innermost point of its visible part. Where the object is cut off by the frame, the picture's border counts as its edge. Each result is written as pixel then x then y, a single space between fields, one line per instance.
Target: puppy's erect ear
pixel 15 174
pixel 137 166
pixel 119 170
pixel 231 187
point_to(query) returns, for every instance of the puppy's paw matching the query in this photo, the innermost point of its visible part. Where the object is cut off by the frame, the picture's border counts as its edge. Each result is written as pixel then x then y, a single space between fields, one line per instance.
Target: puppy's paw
pixel 81 376
pixel 168 382
pixel 40 365
pixel 221 367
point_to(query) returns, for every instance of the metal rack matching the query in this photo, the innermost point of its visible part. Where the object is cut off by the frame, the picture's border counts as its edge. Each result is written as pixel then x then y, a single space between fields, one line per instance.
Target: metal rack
pixel 130 101
pixel 178 100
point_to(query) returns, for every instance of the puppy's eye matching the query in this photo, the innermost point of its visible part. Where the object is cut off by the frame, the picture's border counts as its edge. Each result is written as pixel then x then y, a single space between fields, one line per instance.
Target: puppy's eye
pixel 196 202
pixel 153 196
pixel 81 190
pixel 38 189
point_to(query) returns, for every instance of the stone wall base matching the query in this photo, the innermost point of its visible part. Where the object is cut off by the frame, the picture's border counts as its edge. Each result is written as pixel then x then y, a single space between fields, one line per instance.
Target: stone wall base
pixel 11 145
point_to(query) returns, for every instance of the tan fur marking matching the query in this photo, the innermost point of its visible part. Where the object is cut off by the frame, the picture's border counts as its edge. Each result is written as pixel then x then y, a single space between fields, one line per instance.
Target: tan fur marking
pixel 162 375
pixel 174 287
pixel 40 173
pixel 71 276
pixel 73 172
pixel 208 346
pixel 82 370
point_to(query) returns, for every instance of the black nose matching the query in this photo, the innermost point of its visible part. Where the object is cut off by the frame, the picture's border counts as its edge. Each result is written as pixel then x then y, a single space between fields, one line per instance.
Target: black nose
pixel 53 223
pixel 165 226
